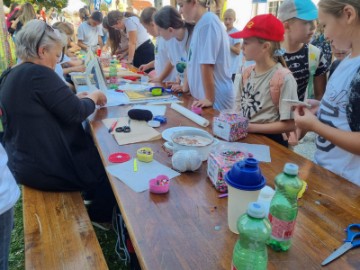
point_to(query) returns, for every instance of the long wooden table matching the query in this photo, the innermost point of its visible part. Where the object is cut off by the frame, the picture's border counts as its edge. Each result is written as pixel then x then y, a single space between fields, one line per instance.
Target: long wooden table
pixel 180 230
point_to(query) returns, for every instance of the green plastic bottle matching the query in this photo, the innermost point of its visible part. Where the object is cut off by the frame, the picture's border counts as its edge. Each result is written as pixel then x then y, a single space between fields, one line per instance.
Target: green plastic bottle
pixel 113 73
pixel 284 207
pixel 250 251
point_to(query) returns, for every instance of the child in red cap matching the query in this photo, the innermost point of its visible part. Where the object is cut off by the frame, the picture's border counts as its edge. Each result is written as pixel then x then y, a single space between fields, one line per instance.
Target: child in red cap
pixel 264 85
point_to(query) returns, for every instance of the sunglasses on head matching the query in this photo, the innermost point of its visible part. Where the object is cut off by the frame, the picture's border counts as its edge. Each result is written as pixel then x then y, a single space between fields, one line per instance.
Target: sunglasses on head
pixel 46 26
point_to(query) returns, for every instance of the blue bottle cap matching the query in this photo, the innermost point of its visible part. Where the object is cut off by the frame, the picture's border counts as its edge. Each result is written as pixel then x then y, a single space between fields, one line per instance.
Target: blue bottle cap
pixel 256 210
pixel 291 168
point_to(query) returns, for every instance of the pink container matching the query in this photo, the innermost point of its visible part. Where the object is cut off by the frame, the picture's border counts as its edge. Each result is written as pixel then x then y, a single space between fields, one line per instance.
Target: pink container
pixel 160 184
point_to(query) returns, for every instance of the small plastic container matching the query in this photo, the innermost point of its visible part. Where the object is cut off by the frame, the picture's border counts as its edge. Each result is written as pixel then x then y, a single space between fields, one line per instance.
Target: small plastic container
pixel 145 154
pixel 197 110
pixel 160 184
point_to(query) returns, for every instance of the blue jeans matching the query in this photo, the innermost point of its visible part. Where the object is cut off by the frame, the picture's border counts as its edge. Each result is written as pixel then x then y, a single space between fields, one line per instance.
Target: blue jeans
pixel 6 226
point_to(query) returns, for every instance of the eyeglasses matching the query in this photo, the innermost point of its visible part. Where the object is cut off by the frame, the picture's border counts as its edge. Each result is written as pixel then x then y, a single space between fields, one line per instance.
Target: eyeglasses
pixel 46 26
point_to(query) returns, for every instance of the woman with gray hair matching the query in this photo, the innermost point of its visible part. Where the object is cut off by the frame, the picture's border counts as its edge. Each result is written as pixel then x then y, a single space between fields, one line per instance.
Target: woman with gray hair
pixel 44 138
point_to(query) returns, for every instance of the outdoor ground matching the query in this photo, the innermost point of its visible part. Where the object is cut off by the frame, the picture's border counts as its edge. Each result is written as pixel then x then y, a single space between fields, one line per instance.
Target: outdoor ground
pixel 107 239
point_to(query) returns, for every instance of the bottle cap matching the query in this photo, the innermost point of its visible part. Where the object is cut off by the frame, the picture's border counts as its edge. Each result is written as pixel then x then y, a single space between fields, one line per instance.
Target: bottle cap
pixel 256 210
pixel 266 192
pixel 291 168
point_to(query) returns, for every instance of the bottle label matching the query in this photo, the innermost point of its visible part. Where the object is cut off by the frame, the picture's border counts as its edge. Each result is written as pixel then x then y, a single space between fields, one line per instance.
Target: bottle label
pixel 281 230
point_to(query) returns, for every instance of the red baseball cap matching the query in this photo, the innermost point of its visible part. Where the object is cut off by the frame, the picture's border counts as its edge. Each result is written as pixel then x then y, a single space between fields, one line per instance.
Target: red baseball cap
pixel 265 26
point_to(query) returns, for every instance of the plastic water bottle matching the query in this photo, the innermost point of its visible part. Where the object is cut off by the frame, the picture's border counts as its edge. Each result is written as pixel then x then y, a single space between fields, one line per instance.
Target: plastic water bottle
pixel 250 251
pixel 113 74
pixel 284 207
pixel 265 197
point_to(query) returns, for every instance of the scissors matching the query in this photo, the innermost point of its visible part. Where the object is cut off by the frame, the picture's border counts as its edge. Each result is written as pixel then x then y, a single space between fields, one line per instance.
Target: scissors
pixel 125 129
pixel 352 240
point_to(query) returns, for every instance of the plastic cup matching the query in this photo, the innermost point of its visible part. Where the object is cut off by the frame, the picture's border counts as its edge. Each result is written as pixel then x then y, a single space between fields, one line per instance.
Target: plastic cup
pixel 244 184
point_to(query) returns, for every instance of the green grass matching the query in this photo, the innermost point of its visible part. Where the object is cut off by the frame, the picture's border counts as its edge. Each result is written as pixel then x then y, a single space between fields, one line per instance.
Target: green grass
pixel 107 240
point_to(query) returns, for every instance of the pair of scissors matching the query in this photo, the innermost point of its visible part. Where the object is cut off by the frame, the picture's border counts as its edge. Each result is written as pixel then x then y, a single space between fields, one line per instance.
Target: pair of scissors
pixel 125 129
pixel 352 240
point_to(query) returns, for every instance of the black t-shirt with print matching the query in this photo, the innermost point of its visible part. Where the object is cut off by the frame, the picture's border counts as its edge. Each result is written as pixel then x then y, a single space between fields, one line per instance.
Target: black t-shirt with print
pixel 299 65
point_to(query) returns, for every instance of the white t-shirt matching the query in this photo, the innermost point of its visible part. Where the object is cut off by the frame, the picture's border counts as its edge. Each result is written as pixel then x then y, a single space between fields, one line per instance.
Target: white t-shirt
pixel 339 108
pixel 89 35
pixel 178 55
pixel 210 45
pixel 235 59
pixel 162 58
pixel 58 68
pixel 9 190
pixel 133 24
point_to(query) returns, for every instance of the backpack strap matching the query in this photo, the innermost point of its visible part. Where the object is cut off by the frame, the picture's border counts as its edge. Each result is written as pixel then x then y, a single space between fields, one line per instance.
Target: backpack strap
pixel 246 74
pixel 314 61
pixel 276 84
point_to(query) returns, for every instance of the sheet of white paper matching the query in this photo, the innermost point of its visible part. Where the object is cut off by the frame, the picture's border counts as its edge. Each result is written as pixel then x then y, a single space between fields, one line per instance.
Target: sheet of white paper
pixel 116 98
pixel 134 87
pixel 155 109
pixel 259 151
pixel 139 181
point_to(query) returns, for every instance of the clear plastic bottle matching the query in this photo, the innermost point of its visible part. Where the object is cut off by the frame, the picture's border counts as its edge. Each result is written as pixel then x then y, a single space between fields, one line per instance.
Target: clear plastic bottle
pixel 250 251
pixel 113 74
pixel 265 197
pixel 284 207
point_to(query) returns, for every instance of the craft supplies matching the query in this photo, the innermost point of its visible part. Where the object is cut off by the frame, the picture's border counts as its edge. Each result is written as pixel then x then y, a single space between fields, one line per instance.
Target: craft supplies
pixel 119 157
pixel 145 154
pixel 189 114
pixel 219 163
pixel 135 165
pixel 154 123
pixel 159 185
pixel 156 90
pixel 113 125
pixel 197 110
pixel 230 126
pixel 186 160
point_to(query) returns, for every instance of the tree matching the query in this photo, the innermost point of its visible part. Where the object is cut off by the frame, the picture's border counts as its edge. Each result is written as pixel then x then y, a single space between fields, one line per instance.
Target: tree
pixel 59 4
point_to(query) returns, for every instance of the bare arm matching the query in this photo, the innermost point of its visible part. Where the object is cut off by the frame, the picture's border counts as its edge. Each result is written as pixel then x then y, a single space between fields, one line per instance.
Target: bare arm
pixel 236 48
pixel 319 86
pixel 82 45
pixel 272 128
pixel 207 75
pixel 132 45
pixel 347 140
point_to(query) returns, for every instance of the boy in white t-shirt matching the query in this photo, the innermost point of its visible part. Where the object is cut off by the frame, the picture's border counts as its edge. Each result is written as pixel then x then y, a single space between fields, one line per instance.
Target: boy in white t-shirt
pixel 338 118
pixel 90 32
pixel 164 71
pixel 208 64
pixel 235 43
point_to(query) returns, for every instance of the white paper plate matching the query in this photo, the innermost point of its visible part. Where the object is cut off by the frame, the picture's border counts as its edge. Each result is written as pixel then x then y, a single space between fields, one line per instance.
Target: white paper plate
pixel 167 133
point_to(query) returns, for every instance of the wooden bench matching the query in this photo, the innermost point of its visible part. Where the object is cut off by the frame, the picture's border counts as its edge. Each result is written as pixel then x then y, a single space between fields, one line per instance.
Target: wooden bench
pixel 58 232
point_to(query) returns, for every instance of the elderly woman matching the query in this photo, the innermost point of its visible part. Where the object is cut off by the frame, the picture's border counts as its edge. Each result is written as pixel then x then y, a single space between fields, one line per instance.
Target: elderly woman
pixel 47 146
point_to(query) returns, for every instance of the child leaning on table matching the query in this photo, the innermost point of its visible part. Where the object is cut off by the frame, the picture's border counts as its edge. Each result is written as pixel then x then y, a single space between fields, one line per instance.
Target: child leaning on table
pixel 164 71
pixel 266 111
pixel 338 120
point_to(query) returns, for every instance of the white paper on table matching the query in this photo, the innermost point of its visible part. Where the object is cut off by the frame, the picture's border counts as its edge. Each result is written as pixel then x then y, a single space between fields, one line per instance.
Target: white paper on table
pixel 116 98
pixel 190 115
pixel 139 181
pixel 155 109
pixel 260 152
pixel 134 87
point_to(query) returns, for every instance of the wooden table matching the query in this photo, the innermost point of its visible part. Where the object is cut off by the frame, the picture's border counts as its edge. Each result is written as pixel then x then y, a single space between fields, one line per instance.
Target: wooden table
pixel 177 230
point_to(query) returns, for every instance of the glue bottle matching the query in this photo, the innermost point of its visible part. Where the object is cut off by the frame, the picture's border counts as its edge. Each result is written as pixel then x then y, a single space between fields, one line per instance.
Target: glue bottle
pixel 113 73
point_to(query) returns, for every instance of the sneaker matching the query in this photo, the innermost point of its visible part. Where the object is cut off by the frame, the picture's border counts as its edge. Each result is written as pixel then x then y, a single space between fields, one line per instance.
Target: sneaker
pixel 102 226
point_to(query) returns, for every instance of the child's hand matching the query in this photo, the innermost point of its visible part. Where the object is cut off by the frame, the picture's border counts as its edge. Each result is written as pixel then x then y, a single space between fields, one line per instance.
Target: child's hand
pixel 304 118
pixel 315 104
pixel 202 103
pixel 142 68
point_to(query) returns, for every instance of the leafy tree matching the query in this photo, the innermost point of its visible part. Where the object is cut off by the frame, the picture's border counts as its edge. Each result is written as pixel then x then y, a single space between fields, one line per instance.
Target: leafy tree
pixel 59 4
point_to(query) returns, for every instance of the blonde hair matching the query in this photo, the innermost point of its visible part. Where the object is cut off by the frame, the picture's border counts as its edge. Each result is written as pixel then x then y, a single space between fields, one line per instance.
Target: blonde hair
pixel 27 13
pixel 336 7
pixel 274 46
pixel 231 12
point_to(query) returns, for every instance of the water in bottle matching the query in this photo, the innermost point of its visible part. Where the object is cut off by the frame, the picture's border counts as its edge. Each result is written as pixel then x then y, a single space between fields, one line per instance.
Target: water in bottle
pixel 113 74
pixel 250 251
pixel 284 207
